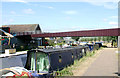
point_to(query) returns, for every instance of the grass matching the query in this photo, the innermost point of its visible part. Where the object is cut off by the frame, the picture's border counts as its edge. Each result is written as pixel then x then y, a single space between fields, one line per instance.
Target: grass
pixel 68 70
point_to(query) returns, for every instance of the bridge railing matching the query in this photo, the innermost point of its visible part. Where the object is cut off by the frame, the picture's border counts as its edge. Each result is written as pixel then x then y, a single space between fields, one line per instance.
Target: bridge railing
pixel 24 33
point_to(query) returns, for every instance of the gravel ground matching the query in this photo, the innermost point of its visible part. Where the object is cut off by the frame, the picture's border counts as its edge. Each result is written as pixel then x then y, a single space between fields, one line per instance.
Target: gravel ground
pixel 106 64
pixel 83 66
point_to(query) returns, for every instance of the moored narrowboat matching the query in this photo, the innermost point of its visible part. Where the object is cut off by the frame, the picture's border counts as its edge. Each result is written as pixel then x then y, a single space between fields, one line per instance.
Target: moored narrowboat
pixel 49 60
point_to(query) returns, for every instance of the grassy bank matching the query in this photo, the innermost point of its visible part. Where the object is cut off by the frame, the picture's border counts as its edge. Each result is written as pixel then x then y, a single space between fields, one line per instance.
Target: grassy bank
pixel 68 71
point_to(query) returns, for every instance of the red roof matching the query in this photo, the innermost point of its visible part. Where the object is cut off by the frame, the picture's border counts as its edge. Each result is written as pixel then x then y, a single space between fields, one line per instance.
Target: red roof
pixel 101 32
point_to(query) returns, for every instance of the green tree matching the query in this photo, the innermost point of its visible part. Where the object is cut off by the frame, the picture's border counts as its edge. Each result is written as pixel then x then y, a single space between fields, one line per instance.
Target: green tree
pixel 88 39
pixel 82 39
pixel 51 42
pixel 91 39
pixel 85 39
pixel 61 38
pixel 108 38
pixel 99 38
pixel 103 39
pixel 75 38
pixel 95 39
pixel 114 40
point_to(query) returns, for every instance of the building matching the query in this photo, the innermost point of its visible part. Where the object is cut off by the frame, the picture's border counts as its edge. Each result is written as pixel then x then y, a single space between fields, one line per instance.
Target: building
pixel 5 37
pixel 33 28
pixel 23 41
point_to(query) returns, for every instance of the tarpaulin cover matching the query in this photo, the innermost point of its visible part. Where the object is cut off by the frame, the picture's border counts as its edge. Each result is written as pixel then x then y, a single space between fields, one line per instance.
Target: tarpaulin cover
pixel 13 61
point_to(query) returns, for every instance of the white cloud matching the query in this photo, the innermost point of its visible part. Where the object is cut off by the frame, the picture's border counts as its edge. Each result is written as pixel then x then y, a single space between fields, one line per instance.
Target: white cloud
pixel 51 7
pixel 11 20
pixel 109 18
pixel 68 18
pixel 116 26
pixel 70 12
pixel 106 4
pixel 114 17
pixel 112 5
pixel 113 23
pixel 105 20
pixel 65 0
pixel 28 11
pixel 8 21
pixel 100 0
pixel 32 4
pixel 13 12
pixel 23 1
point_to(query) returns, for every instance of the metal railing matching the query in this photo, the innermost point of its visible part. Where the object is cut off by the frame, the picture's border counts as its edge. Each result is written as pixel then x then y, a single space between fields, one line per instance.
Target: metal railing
pixel 24 33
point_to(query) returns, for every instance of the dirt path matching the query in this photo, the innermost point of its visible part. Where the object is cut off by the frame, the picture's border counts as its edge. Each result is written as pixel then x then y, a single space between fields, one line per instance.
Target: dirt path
pixel 106 64
pixel 83 66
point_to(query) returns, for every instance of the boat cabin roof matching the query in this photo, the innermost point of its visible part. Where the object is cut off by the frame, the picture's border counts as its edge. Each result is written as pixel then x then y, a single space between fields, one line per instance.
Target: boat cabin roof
pixel 56 49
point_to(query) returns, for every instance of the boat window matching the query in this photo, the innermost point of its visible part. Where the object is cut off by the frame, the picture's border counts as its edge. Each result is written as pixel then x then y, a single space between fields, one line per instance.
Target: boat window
pixel 83 50
pixel 60 58
pixel 32 61
pixel 80 53
pixel 42 62
pixel 72 55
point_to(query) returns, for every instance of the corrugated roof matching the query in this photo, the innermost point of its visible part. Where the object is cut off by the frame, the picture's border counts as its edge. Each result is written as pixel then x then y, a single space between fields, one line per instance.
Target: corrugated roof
pixel 57 49
pixel 85 33
pixel 22 28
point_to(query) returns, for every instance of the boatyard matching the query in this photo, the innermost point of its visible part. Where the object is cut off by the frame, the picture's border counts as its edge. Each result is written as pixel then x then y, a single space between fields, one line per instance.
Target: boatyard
pixel 60 39
pixel 43 59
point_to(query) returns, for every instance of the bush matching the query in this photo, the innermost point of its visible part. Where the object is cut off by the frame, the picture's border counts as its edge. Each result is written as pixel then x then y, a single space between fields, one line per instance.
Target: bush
pixel 64 72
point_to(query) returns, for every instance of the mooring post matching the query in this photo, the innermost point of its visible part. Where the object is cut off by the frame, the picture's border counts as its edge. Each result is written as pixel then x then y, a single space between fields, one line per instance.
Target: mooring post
pixel 43 41
pixel 119 55
pixel 118 38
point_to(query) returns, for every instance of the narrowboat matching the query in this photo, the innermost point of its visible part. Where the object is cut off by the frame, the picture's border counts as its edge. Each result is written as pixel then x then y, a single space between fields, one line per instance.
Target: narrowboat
pixel 93 46
pixel 49 60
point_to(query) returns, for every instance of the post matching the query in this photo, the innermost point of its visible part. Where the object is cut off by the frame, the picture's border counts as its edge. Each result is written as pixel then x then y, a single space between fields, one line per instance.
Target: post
pixel 119 55
pixel 119 39
pixel 43 41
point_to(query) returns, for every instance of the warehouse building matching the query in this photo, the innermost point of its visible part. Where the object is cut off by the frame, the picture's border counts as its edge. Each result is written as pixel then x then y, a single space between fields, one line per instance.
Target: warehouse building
pixel 23 41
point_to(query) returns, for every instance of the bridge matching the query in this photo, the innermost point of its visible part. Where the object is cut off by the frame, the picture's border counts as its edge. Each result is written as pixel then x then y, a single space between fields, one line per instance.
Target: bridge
pixel 85 33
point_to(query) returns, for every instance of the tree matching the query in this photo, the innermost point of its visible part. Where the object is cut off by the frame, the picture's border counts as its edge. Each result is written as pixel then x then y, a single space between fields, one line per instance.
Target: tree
pixel 114 40
pixel 95 39
pixel 85 39
pixel 82 39
pixel 88 39
pixel 75 38
pixel 91 39
pixel 61 38
pixel 103 39
pixel 99 38
pixel 108 38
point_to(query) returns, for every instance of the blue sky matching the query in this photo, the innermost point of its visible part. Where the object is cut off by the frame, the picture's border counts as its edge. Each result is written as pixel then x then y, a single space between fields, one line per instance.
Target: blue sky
pixel 61 16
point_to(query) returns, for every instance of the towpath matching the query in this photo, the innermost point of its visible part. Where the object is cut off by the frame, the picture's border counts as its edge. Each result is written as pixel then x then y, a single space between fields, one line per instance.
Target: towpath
pixel 106 64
